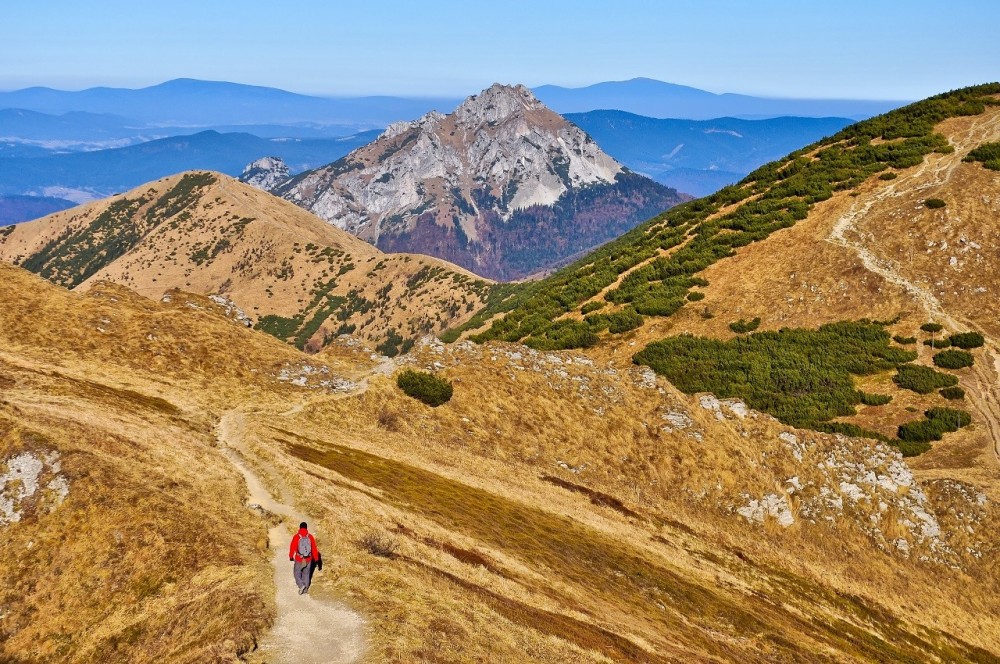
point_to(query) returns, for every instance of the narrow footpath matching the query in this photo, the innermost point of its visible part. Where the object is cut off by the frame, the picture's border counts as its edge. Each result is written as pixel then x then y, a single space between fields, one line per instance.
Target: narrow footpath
pixel 307 630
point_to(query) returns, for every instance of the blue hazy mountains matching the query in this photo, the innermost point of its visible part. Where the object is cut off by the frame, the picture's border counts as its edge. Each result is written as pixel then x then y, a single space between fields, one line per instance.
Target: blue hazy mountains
pixel 700 156
pixel 656 99
pixel 189 102
pixel 105 172
pixel 95 142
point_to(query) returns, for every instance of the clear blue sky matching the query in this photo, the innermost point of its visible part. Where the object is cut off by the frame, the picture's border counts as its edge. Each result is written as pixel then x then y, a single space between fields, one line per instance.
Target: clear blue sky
pixel 879 49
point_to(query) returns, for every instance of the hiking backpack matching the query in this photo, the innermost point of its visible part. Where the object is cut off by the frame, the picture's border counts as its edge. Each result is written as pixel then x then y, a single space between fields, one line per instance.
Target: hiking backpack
pixel 305 546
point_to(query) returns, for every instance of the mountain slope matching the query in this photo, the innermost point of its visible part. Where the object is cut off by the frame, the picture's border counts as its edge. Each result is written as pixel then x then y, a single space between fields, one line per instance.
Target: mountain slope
pixel 760 238
pixel 502 186
pixel 645 96
pixel 295 275
pixel 623 536
pixel 719 151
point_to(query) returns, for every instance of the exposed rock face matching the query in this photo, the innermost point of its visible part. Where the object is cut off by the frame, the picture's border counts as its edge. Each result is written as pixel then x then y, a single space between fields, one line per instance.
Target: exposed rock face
pixel 266 173
pixel 503 186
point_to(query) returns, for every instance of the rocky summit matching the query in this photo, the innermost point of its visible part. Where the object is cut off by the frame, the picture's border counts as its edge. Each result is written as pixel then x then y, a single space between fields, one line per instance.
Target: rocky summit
pixel 266 173
pixel 502 186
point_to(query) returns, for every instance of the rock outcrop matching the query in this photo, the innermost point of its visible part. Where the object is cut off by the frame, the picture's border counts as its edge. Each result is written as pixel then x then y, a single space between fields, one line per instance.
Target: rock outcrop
pixel 266 173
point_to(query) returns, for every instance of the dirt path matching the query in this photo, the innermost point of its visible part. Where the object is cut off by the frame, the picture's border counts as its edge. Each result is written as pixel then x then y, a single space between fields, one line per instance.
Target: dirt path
pixel 984 389
pixel 307 630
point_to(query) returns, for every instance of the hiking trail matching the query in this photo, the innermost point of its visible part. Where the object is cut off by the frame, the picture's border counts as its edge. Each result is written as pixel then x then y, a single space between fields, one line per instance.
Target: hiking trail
pixel 307 630
pixel 984 393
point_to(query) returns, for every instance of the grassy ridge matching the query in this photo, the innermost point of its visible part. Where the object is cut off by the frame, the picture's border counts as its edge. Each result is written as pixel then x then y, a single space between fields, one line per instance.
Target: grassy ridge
pixel 662 256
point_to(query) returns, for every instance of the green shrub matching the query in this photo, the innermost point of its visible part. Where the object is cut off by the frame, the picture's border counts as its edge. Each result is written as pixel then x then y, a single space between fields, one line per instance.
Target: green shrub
pixel 591 307
pixel 952 393
pixel 921 379
pixel 937 422
pixel 616 322
pixel 934 203
pixel 425 387
pixel 932 327
pixel 742 326
pixel 874 399
pixel 905 341
pixel 802 377
pixel 988 154
pixel 953 359
pixel 887 176
pixel 695 296
pixel 967 340
pixel 937 343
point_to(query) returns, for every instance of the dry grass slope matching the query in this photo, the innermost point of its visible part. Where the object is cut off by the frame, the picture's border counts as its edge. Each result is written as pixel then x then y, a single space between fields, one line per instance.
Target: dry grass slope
pixel 301 278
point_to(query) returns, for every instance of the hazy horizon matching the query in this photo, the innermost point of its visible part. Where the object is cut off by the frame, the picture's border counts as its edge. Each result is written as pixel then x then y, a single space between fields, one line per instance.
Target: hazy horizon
pixel 775 48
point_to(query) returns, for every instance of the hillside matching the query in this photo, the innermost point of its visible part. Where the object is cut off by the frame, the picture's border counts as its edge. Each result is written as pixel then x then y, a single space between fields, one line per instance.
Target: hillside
pixel 502 186
pixel 782 246
pixel 700 157
pixel 648 527
pixel 293 274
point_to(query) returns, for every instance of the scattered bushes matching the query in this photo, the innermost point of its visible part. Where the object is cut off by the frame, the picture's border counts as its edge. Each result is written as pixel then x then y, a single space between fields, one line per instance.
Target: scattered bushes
pixel 888 176
pixel 937 422
pixel 934 203
pixel 952 393
pixel 967 340
pixel 904 341
pixel 591 307
pixel 425 387
pixel 937 343
pixel 922 380
pixel 874 399
pixel 742 326
pixel 932 328
pixel 802 377
pixel 953 359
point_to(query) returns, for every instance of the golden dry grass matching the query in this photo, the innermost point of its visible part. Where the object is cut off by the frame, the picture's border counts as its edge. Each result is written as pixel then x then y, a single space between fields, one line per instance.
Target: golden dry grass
pixel 274 259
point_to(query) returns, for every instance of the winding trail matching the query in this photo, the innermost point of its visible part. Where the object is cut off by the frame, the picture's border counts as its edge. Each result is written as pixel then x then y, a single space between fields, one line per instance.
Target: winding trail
pixel 307 630
pixel 984 392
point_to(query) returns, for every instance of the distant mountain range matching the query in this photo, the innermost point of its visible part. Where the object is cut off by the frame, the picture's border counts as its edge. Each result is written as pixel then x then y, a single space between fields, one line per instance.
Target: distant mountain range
pixel 645 96
pixel 700 156
pixel 14 209
pixel 217 104
pixel 210 103
pixel 88 175
pixel 80 145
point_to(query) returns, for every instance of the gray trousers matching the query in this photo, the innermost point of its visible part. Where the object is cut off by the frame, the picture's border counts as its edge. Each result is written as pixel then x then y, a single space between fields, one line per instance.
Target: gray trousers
pixel 303 573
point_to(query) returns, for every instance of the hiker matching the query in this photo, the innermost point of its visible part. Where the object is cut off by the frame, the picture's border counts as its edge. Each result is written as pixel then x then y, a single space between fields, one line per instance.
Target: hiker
pixel 305 554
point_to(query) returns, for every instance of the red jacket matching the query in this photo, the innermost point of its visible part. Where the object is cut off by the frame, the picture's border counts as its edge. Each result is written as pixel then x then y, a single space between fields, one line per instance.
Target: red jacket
pixel 293 550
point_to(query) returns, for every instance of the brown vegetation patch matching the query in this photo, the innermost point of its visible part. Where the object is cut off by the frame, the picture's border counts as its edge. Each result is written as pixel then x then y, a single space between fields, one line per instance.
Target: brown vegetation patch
pixel 596 497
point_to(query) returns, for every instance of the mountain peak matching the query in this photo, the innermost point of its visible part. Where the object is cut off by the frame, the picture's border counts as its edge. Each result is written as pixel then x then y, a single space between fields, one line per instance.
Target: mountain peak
pixel 492 186
pixel 497 103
